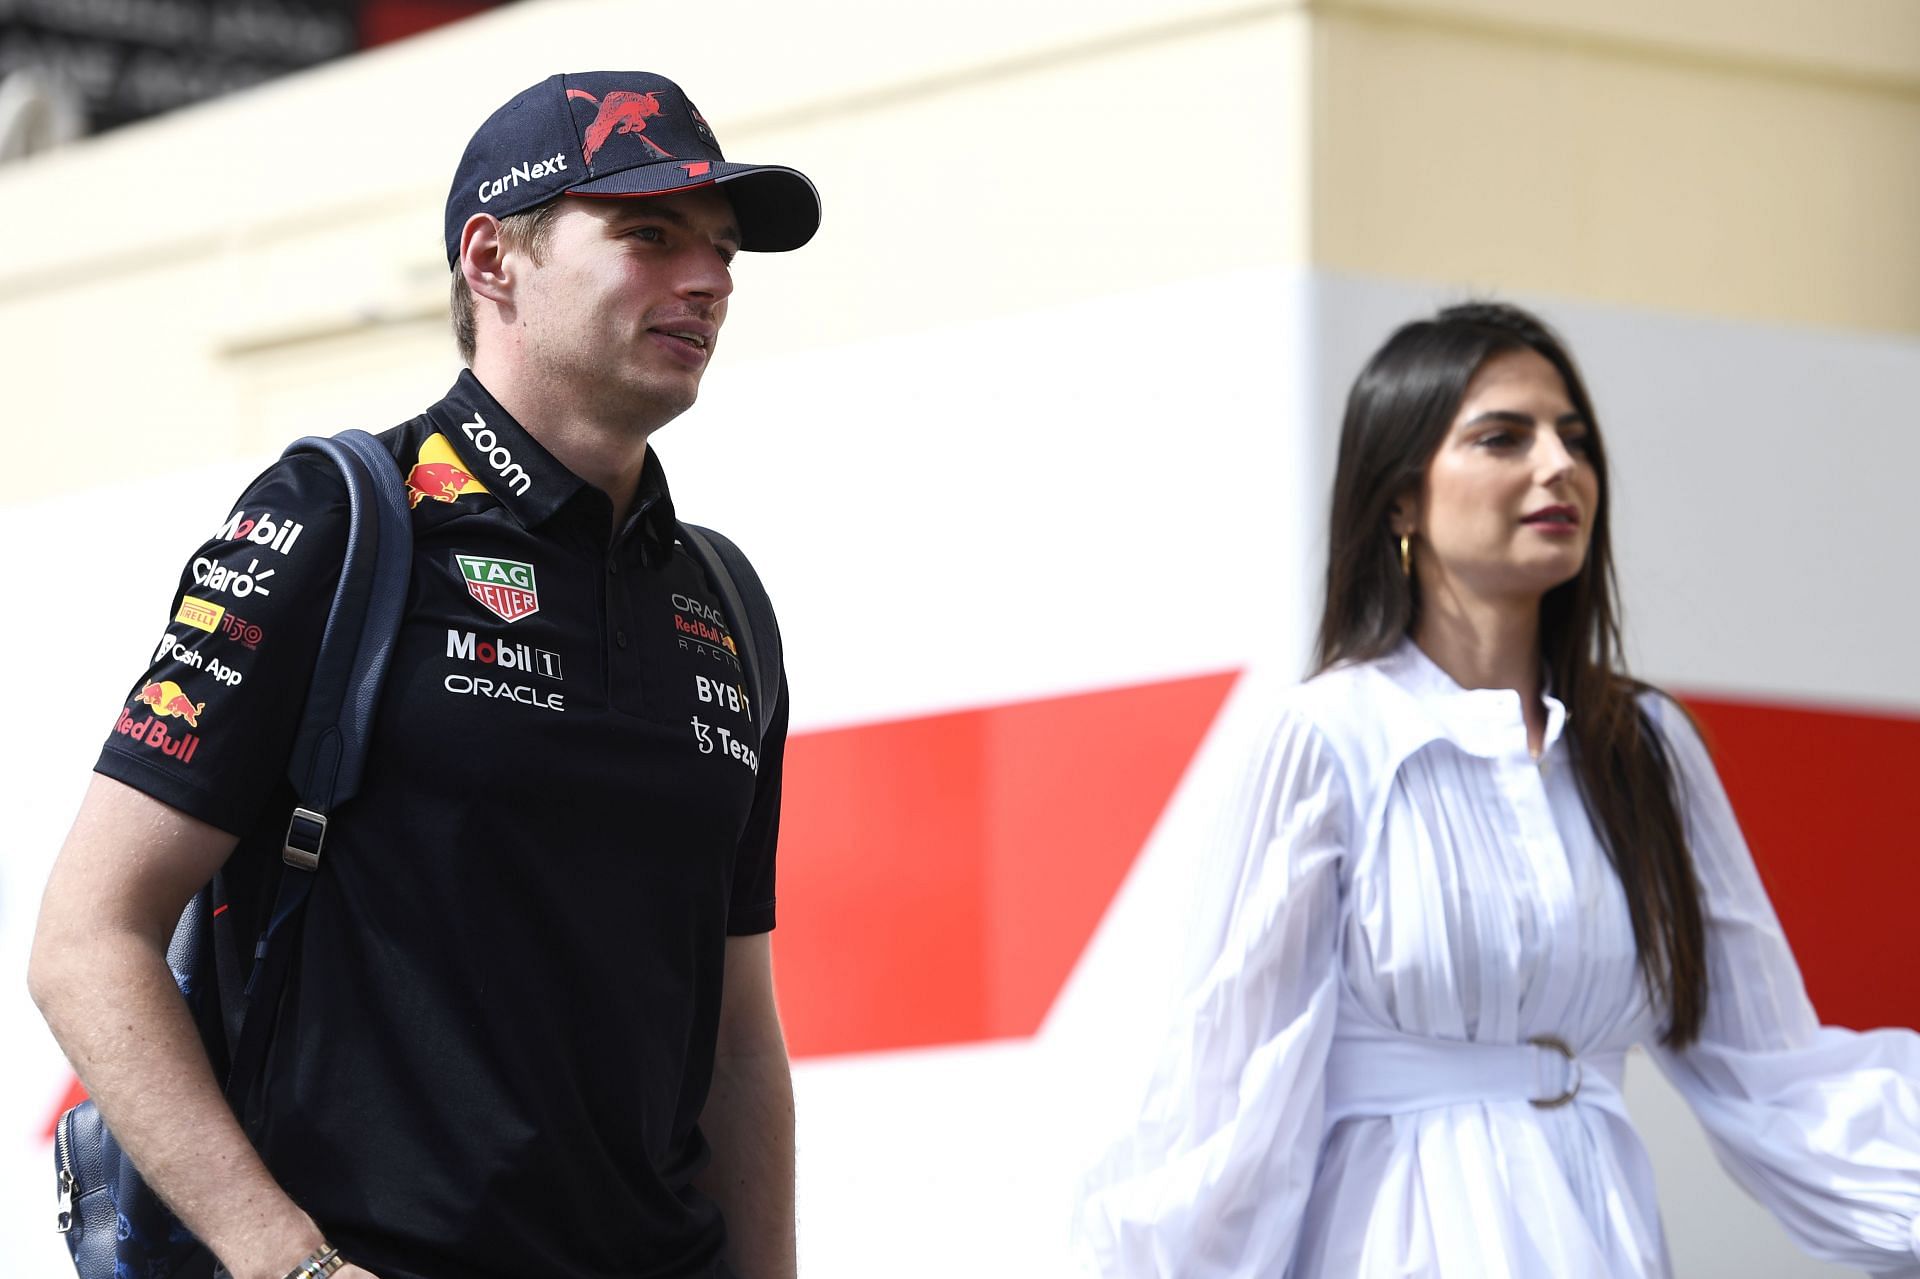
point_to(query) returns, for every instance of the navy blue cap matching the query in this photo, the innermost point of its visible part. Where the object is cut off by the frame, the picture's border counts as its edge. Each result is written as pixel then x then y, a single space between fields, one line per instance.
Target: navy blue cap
pixel 619 133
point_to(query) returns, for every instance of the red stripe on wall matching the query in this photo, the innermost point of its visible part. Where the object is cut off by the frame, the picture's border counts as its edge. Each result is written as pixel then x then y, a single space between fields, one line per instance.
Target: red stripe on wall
pixel 1830 804
pixel 939 877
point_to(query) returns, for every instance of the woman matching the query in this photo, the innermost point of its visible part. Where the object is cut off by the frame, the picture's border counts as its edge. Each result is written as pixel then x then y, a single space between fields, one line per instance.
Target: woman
pixel 1474 865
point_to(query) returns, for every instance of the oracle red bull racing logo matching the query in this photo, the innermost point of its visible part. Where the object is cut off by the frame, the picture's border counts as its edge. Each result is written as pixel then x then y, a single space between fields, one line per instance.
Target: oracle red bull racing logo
pixel 439 474
pixel 505 587
pixel 621 111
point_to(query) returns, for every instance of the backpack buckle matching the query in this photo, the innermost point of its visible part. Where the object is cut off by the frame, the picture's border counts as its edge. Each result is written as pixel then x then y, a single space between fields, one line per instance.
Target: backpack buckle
pixel 306 834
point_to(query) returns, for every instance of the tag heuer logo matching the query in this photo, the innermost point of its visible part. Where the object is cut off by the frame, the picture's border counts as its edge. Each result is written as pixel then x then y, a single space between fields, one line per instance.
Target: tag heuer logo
pixel 504 586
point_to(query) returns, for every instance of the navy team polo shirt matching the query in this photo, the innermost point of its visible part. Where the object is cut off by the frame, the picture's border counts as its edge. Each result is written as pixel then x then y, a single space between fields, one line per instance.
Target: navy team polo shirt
pixel 500 1032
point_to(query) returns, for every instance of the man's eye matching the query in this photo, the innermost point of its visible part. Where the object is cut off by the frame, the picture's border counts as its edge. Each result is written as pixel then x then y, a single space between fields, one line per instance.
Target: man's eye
pixel 652 234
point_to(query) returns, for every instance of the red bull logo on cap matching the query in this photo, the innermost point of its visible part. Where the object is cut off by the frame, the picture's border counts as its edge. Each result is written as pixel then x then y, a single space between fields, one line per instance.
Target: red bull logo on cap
pixel 168 699
pixel 439 474
pixel 621 111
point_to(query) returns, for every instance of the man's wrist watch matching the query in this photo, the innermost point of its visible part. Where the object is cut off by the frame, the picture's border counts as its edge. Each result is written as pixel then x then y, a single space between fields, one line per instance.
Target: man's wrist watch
pixel 322 1261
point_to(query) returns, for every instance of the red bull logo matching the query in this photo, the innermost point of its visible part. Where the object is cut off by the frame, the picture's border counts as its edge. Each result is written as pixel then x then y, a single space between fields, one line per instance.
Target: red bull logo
pixel 439 474
pixel 621 111
pixel 169 699
pixel 441 481
pixel 152 733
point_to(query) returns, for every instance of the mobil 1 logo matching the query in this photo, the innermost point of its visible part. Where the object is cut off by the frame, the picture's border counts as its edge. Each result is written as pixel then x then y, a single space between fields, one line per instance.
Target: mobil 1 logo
pixel 507 655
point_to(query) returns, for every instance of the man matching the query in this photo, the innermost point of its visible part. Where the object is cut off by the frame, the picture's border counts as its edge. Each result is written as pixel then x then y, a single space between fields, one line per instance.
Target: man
pixel 530 1029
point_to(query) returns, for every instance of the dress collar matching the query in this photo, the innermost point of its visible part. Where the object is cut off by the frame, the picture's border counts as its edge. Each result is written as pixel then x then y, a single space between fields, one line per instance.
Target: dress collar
pixel 1481 721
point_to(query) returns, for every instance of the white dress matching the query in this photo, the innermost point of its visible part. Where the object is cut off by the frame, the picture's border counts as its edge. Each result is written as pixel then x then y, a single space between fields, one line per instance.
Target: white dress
pixel 1409 899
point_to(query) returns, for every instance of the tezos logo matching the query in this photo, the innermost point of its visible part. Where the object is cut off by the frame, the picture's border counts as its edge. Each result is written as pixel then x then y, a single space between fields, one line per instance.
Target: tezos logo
pixel 730 745
pixel 261 530
pixel 510 472
pixel 506 654
pixel 505 587
pixel 228 581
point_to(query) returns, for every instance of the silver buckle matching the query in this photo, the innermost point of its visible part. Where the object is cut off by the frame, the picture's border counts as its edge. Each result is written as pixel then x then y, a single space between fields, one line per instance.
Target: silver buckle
pixel 316 824
pixel 1559 1045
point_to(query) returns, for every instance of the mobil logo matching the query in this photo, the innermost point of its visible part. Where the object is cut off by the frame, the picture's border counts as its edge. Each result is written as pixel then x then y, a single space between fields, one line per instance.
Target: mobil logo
pixel 261 530
pixel 466 646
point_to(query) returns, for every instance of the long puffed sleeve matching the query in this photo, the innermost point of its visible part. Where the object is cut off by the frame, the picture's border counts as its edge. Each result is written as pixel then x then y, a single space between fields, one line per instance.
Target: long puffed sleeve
pixel 1820 1124
pixel 1212 1181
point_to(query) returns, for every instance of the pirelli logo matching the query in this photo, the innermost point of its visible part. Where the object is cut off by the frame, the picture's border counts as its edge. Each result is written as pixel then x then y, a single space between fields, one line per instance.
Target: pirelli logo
pixel 200 614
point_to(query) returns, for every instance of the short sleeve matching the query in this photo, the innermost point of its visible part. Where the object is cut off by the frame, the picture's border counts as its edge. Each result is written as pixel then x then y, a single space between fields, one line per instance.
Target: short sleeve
pixel 1213 1179
pixel 208 726
pixel 751 904
pixel 1820 1124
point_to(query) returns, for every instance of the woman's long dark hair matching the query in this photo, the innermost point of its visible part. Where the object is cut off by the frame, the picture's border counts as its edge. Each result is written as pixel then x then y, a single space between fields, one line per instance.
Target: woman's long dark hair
pixel 1398 413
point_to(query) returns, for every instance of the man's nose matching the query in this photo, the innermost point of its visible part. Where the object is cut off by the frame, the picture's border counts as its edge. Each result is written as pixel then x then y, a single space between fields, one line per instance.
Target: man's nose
pixel 706 275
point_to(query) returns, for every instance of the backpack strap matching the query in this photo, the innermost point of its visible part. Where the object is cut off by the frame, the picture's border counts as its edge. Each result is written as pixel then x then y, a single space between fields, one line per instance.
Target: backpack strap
pixel 751 612
pixel 330 746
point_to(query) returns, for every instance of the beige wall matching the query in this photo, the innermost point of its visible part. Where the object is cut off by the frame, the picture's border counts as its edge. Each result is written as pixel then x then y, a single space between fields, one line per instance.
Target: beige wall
pixel 1746 160
pixel 221 280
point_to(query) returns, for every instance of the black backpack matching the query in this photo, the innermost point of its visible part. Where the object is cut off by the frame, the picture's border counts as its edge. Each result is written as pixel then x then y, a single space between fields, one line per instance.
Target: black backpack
pixel 113 1223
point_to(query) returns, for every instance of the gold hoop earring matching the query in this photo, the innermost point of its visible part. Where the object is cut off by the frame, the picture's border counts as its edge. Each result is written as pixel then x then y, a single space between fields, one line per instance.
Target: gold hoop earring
pixel 1406 555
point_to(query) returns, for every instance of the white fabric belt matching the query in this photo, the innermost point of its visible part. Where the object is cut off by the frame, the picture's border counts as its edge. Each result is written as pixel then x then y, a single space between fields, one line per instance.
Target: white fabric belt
pixel 1374 1071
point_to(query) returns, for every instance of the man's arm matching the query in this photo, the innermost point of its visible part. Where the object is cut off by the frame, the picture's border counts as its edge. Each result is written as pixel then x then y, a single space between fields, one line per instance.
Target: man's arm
pixel 99 973
pixel 748 1118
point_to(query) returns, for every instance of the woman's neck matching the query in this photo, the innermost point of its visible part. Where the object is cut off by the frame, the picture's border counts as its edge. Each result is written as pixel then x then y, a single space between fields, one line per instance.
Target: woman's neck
pixel 1488 644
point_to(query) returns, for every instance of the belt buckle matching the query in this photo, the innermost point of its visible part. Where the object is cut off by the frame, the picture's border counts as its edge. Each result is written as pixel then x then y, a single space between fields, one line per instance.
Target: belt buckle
pixel 1558 1045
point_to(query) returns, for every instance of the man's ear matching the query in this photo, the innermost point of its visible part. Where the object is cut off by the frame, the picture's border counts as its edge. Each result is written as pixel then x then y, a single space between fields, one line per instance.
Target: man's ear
pixel 483 259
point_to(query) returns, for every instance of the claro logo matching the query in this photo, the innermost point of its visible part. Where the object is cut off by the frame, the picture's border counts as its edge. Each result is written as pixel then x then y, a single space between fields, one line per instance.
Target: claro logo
pixel 511 473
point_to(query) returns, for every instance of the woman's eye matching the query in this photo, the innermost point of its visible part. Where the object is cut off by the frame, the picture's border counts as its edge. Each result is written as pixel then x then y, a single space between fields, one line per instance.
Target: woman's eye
pixel 1496 439
pixel 1580 444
